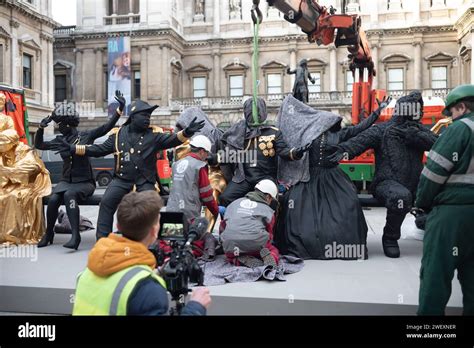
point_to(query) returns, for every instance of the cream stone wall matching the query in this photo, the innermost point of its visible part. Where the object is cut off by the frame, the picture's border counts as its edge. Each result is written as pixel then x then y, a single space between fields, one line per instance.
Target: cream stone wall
pixel 27 28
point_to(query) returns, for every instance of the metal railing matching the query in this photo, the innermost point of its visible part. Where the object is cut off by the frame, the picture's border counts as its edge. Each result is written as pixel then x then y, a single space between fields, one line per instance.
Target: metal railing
pixel 122 19
pixel 64 31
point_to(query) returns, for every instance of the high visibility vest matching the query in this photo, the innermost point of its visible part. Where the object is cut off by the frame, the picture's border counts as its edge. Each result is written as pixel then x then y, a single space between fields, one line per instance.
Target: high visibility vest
pixel 109 295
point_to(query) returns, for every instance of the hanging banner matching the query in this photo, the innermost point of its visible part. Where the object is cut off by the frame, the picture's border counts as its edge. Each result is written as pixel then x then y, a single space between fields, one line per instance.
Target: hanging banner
pixel 119 72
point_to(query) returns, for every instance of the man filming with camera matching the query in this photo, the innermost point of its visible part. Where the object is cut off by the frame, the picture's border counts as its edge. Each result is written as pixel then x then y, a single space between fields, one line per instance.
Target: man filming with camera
pixel 120 278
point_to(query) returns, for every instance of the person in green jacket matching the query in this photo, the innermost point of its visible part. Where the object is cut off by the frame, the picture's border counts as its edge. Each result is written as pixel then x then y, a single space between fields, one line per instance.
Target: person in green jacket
pixel 446 192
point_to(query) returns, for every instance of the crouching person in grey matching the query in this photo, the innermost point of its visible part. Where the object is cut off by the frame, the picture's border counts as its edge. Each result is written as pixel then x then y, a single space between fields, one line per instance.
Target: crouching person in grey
pixel 247 228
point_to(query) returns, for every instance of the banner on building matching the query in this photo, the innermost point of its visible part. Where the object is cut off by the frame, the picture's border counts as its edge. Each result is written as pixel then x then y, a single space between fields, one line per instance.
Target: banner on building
pixel 119 72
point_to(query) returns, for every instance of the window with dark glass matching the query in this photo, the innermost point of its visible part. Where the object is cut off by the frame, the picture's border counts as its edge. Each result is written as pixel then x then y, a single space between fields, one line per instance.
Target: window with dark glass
pixel 60 90
pixel 27 64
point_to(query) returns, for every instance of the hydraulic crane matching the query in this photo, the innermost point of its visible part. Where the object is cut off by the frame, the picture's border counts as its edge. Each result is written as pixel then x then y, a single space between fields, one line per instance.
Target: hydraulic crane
pixel 324 27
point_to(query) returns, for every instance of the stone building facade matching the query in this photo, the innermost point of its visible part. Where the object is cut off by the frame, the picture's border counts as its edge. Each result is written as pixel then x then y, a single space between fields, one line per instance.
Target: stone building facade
pixel 199 52
pixel 26 53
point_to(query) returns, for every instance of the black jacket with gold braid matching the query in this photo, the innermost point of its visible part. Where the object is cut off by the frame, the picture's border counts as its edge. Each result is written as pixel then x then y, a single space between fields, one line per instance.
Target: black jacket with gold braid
pixel 135 161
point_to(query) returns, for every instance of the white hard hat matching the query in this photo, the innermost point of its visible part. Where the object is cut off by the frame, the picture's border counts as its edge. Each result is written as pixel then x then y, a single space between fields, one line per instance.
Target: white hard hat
pixel 201 142
pixel 267 186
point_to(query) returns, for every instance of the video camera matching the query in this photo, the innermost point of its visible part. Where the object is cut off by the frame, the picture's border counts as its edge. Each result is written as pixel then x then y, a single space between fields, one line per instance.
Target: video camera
pixel 181 268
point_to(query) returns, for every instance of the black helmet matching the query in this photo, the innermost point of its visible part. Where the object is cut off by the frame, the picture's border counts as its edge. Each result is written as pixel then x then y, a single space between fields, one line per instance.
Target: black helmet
pixel 71 119
pixel 139 106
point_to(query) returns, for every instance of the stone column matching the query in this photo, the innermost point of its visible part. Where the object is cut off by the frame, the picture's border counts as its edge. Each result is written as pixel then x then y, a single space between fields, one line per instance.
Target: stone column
pixel 101 12
pixel 226 11
pixel 375 58
pixel 418 82
pixel 50 72
pixel 472 58
pixel 99 78
pixel 217 18
pixel 374 14
pixel 416 12
pixel 78 95
pixel 165 74
pixel 144 72
pixel 15 58
pixel 217 75
pixel 44 64
pixel 333 68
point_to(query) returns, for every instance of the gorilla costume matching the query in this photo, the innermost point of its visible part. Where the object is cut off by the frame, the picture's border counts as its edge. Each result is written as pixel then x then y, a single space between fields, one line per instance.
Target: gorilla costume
pixel 399 146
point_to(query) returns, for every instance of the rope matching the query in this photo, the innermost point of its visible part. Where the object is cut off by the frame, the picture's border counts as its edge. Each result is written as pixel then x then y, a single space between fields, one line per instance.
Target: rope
pixel 257 18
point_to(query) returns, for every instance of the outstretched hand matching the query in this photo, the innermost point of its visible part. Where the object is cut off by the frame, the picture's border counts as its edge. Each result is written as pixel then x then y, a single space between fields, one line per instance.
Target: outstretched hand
pixel 383 103
pixel 193 128
pixel 337 156
pixel 300 151
pixel 64 147
pixel 120 99
pixel 46 121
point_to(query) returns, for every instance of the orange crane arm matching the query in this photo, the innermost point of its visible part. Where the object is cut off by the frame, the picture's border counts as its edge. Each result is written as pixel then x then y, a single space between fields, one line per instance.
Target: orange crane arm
pixel 325 27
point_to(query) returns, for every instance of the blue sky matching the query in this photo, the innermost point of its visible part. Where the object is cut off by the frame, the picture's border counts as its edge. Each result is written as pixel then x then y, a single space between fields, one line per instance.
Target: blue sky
pixel 64 11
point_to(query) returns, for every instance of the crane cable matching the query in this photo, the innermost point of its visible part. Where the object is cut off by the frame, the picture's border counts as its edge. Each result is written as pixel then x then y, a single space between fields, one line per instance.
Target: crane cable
pixel 257 19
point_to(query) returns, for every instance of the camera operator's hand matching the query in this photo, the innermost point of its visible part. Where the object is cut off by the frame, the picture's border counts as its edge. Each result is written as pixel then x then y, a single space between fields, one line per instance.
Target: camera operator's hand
pixel 202 296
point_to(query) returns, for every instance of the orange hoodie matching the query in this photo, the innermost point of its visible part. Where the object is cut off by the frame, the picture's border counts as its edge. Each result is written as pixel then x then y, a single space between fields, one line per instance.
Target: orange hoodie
pixel 115 253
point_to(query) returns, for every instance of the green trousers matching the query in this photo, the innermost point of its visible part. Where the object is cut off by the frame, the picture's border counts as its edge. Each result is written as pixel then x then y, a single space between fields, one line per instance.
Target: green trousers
pixel 448 245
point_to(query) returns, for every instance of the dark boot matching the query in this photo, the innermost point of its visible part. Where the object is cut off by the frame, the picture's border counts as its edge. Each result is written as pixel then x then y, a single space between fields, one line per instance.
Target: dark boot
pixel 73 215
pixel 391 248
pixel 392 232
pixel 46 240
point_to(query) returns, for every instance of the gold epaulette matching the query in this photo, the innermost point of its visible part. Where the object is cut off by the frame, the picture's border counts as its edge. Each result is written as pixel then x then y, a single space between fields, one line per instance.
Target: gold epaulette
pixel 157 129
pixel 113 131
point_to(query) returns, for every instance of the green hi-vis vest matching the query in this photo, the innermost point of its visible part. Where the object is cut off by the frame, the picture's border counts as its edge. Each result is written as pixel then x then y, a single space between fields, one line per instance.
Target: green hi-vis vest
pixel 109 295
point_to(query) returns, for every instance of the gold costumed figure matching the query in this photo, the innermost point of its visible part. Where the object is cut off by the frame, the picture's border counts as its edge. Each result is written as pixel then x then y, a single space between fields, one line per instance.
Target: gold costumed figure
pixel 24 181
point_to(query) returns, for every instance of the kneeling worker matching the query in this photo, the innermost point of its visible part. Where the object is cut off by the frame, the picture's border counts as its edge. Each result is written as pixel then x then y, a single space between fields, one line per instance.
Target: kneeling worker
pixel 248 228
pixel 191 190
pixel 120 277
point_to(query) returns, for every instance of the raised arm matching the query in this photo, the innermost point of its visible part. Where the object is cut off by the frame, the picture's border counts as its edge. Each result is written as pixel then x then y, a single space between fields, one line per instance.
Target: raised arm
pixel 105 128
pixel 40 144
pixel 286 152
pixel 369 139
pixel 352 131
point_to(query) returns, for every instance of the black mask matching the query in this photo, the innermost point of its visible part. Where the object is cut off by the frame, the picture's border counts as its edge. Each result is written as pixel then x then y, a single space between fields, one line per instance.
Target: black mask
pixel 65 129
pixel 140 121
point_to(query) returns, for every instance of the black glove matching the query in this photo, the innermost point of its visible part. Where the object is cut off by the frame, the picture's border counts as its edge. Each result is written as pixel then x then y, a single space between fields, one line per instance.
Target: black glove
pixel 64 148
pixel 383 104
pixel 46 121
pixel 337 156
pixel 299 152
pixel 120 99
pixel 193 127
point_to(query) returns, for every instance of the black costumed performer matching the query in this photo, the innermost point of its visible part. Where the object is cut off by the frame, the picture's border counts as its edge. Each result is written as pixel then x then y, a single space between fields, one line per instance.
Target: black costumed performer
pixel 399 146
pixel 268 144
pixel 135 146
pixel 300 88
pixel 77 182
pixel 321 214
